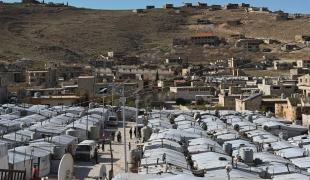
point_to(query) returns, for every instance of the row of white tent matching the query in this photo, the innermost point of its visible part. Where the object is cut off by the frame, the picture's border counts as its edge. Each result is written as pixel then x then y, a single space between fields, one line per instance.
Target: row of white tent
pixel 37 139
pixel 275 156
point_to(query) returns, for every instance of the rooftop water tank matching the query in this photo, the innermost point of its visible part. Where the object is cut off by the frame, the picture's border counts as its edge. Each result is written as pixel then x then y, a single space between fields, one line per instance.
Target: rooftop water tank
pixel 246 155
pixel 227 148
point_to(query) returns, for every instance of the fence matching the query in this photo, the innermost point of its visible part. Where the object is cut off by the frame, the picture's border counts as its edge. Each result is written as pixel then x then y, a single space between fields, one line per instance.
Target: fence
pixel 7 174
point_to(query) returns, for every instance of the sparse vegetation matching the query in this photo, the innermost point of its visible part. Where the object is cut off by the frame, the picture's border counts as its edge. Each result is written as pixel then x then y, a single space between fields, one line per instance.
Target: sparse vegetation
pixel 75 35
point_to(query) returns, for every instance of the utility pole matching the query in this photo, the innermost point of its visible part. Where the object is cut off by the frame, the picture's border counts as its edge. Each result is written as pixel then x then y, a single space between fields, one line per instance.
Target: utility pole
pixel 137 110
pixel 111 171
pixel 112 94
pixel 87 124
pixel 123 99
pixel 103 118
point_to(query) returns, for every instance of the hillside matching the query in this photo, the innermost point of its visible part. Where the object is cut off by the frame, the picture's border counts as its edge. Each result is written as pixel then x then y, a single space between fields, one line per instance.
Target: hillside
pixel 75 35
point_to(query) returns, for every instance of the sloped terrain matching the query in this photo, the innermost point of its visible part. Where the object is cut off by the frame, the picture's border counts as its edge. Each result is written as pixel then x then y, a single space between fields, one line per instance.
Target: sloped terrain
pixel 76 35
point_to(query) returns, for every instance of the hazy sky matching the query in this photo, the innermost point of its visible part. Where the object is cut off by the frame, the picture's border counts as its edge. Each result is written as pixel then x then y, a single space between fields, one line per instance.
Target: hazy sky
pixel 292 6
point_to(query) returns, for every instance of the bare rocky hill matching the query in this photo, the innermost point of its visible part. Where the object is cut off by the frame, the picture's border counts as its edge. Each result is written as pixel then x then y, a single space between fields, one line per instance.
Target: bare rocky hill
pixel 74 35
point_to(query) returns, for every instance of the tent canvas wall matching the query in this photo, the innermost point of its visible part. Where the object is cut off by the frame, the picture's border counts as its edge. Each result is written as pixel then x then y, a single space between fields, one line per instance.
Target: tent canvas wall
pixel 20 162
pixel 4 158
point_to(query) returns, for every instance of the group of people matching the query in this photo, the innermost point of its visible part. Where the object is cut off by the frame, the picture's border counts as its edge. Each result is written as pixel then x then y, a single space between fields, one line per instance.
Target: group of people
pixel 134 132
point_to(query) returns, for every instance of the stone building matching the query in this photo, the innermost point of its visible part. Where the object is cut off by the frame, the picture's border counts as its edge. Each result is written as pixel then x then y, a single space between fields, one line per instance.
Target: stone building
pixel 228 101
pixel 292 109
pixel 252 103
pixel 304 85
pixel 277 88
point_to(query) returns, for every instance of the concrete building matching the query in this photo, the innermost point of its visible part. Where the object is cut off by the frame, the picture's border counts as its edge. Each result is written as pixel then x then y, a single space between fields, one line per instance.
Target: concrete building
pixel 168 6
pixel 304 85
pixel 231 6
pixel 215 7
pixel 303 63
pixel 188 5
pixel 189 92
pixel 227 97
pixel 293 109
pixel 251 45
pixel 177 61
pixel 302 39
pixel 36 78
pixel 205 38
pixel 150 7
pixel 252 103
pixel 146 74
pixel 281 16
pixel 48 78
pixel 285 64
pixel 290 47
pixel 86 86
pixel 55 100
pixel 306 120
pixel 237 62
pixel 277 88
pixel 202 5
pixel 203 21
pixel 30 2
pixel 297 72
pixel 228 101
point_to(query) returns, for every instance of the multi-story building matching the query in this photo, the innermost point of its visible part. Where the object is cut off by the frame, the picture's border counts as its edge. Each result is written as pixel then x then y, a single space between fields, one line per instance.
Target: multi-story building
pixel 304 85
pixel 249 44
pixel 277 87
pixel 205 38
pixel 190 92
pixel 292 109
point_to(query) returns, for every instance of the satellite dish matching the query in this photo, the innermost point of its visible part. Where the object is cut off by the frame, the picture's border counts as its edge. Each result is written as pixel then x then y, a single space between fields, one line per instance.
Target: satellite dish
pixel 65 170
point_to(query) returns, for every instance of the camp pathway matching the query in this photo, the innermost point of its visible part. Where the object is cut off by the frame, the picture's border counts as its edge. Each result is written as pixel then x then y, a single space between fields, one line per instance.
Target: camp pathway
pixel 118 154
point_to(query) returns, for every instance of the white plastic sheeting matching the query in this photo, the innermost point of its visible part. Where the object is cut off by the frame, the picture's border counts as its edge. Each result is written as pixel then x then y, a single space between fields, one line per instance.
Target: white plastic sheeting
pixel 211 160
pixel 4 158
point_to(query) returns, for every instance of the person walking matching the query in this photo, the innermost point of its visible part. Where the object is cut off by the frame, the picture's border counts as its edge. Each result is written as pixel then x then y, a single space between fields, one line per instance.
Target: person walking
pixel 129 146
pixel 113 136
pixel 134 132
pixel 119 137
pixel 130 133
pixel 96 155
